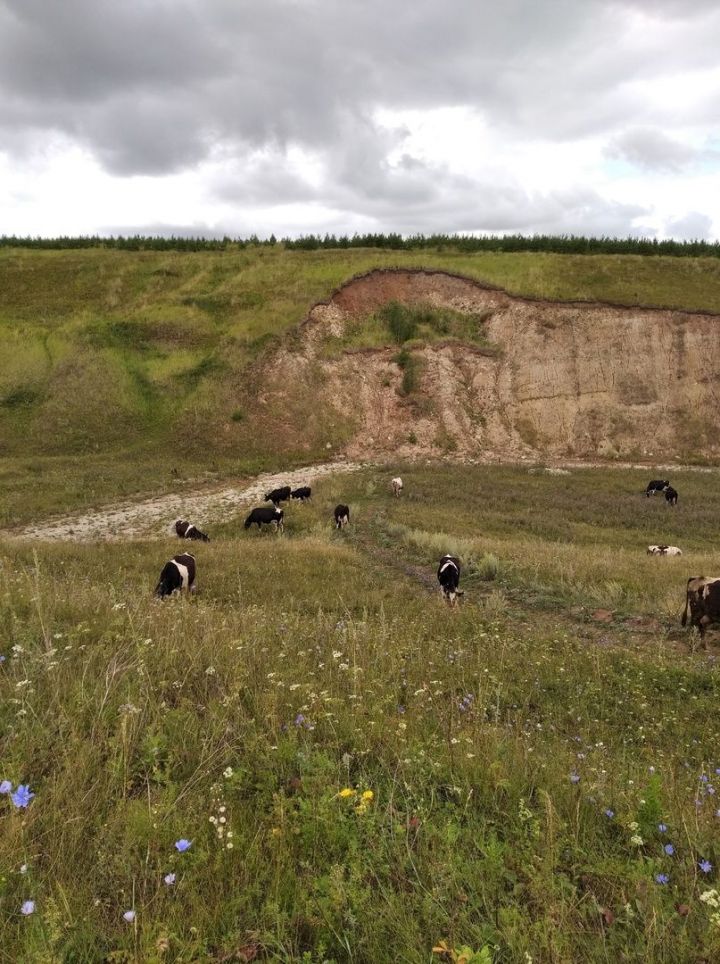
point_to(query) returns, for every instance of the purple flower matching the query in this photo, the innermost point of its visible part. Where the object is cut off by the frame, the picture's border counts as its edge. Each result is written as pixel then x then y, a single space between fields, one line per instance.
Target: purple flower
pixel 609 813
pixel 669 849
pixel 2 659
pixel 704 777
pixel 661 878
pixel 22 796
pixel 574 777
pixel 662 827
pixel 129 916
pixel 169 879
pixel 182 845
pixel 299 719
pixel 401 709
pixel 5 786
pixel 28 907
pixel 705 866
pixel 710 789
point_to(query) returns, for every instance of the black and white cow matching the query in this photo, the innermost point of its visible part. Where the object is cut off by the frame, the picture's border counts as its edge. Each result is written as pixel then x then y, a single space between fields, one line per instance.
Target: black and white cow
pixel 703 598
pixel 278 495
pixel 303 493
pixel 657 485
pixel 177 574
pixel 186 530
pixel 263 516
pixel 664 551
pixel 671 495
pixel 342 516
pixel 449 578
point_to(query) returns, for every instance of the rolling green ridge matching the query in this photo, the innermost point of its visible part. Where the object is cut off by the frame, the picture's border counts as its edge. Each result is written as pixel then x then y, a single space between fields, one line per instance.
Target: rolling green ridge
pixel 137 367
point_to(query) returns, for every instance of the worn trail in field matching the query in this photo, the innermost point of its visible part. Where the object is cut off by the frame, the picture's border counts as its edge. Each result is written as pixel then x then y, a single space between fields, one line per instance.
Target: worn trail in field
pixel 155 517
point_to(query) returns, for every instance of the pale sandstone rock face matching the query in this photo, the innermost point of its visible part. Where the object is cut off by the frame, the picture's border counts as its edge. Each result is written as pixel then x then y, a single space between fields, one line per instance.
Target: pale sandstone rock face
pixel 568 380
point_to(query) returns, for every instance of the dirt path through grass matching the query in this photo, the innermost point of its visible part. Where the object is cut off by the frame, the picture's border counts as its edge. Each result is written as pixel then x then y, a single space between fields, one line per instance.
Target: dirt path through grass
pixel 155 517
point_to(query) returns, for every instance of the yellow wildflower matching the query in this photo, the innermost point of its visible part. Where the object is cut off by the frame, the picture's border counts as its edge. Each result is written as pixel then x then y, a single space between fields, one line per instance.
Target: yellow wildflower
pixel 347 792
pixel 368 795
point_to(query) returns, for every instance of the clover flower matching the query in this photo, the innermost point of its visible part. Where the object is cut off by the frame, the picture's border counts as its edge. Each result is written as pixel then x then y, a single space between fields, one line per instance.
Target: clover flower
pixel 28 908
pixel 182 845
pixel 22 796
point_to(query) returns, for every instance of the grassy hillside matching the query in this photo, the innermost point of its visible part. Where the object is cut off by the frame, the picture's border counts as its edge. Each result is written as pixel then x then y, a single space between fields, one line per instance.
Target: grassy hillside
pixel 361 772
pixel 122 372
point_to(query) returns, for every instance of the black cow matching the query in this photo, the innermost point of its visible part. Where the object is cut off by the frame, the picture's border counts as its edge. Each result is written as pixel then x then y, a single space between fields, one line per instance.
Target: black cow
pixel 671 495
pixel 263 516
pixel 303 493
pixel 342 516
pixel 177 574
pixel 278 495
pixel 703 598
pixel 186 530
pixel 657 485
pixel 449 578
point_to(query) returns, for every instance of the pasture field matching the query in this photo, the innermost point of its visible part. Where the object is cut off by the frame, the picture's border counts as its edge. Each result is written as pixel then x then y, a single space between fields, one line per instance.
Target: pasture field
pixel 363 773
pixel 126 373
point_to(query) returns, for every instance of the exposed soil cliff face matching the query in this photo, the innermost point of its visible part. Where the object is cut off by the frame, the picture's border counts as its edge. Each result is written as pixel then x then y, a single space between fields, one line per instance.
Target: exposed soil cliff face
pixel 577 380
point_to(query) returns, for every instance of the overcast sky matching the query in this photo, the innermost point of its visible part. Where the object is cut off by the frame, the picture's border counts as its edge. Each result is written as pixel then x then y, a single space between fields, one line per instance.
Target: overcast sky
pixel 298 116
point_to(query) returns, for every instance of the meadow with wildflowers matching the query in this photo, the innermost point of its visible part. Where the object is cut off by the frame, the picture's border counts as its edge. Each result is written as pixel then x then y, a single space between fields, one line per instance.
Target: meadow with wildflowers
pixel 314 759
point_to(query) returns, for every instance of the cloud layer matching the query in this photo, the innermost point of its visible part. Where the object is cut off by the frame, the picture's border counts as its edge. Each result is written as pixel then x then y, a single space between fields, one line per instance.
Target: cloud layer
pixel 304 115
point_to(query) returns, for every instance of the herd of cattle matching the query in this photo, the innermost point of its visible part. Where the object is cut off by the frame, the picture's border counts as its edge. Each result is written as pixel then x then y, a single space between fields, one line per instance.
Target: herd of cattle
pixel 702 597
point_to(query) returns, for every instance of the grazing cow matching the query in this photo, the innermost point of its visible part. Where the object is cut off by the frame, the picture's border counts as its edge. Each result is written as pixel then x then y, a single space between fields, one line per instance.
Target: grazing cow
pixel 263 516
pixel 278 495
pixel 303 493
pixel 177 574
pixel 703 598
pixel 664 551
pixel 186 530
pixel 397 486
pixel 671 495
pixel 342 516
pixel 657 485
pixel 449 578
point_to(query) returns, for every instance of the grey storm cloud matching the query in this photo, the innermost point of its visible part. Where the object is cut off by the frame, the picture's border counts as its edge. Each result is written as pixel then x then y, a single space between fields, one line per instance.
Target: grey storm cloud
pixel 651 150
pixel 152 87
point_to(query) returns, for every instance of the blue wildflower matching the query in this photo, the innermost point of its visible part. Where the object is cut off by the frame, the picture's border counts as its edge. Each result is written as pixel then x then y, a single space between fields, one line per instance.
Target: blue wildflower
pixel 609 813
pixel 22 796
pixel 129 916
pixel 182 845
pixel 299 719
pixel 662 827
pixel 5 786
pixel 669 849
pixel 2 658
pixel 574 777
pixel 169 879
pixel 661 878
pixel 704 777
pixel 705 866
pixel 28 908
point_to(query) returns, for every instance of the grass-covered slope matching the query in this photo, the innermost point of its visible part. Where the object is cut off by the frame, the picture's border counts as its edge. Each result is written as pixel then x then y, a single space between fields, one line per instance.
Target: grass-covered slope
pixel 123 371
pixel 362 773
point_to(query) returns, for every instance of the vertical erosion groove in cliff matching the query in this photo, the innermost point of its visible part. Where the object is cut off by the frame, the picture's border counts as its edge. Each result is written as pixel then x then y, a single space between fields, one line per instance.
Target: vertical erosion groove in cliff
pixel 570 379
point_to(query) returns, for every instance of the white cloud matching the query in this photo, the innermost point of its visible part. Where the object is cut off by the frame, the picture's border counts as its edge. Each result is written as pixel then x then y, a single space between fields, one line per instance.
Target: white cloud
pixel 311 115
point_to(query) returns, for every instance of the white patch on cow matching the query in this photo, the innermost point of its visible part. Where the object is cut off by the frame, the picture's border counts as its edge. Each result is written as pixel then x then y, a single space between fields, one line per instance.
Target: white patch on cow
pixel 446 564
pixel 184 574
